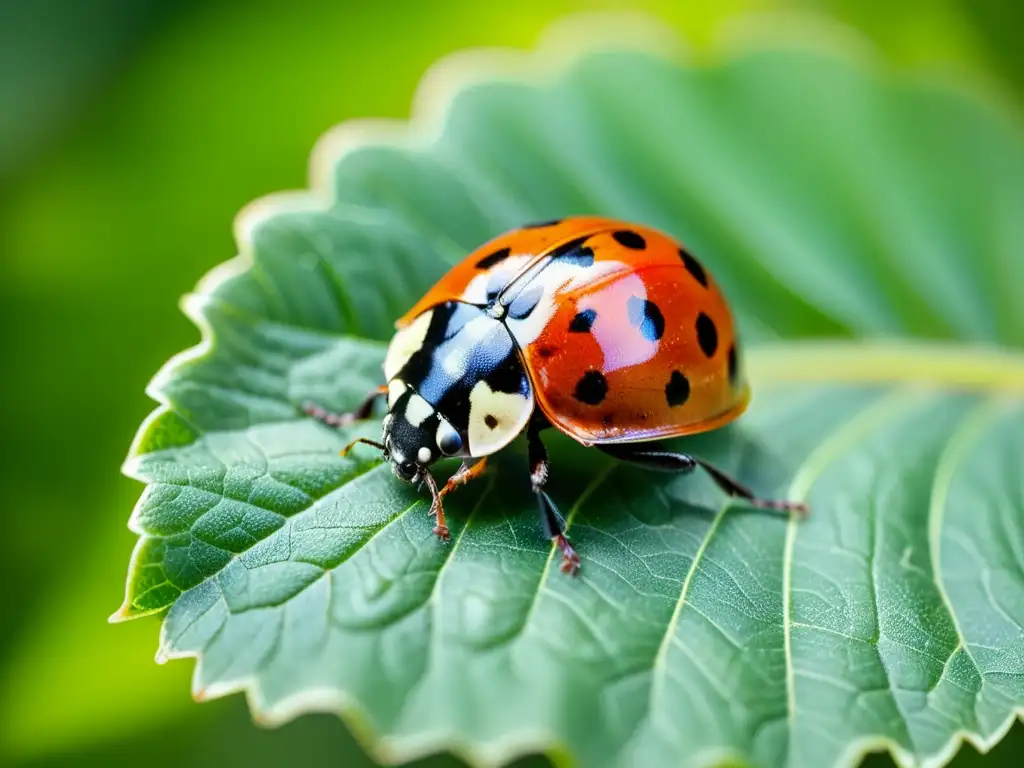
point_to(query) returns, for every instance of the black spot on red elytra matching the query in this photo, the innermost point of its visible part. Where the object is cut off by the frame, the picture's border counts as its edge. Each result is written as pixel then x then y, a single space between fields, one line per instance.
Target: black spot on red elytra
pixel 583 321
pixel 490 421
pixel 495 258
pixel 733 364
pixel 693 267
pixel 677 391
pixel 608 419
pixel 591 388
pixel 707 334
pixel 546 352
pixel 630 239
pixel 646 316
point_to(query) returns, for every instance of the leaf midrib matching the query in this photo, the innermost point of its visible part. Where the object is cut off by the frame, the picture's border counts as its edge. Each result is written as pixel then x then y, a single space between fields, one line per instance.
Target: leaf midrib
pixel 897 361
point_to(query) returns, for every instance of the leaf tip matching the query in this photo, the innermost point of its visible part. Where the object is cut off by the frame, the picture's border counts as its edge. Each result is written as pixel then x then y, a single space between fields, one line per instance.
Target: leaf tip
pixel 129 611
pixel 122 614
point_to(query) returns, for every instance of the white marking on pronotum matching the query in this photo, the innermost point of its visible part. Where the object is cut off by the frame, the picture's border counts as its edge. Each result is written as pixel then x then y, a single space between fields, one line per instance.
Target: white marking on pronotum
pixel 405 344
pixel 417 410
pixel 396 388
pixel 424 455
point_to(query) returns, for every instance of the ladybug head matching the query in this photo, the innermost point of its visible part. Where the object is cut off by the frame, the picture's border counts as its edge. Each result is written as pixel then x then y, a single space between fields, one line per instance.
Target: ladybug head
pixel 415 435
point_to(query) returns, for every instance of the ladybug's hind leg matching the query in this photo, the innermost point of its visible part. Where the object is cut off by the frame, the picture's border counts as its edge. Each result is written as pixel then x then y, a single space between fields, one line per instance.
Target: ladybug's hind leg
pixel 644 455
pixel 332 419
pixel 551 518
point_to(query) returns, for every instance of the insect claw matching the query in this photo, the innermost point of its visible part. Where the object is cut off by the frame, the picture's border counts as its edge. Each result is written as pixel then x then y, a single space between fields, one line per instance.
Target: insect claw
pixel 798 507
pixel 571 564
pixel 436 510
pixel 570 560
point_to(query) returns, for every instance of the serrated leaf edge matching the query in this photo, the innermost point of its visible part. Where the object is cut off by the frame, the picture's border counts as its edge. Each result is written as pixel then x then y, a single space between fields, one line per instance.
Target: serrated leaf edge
pixel 563 43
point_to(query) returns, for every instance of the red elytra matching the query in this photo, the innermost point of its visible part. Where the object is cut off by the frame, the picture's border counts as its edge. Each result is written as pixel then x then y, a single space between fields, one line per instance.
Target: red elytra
pixel 658 330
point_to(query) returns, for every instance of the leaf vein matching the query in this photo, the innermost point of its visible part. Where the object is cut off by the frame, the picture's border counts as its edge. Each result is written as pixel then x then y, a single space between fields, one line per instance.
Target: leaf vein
pixel 966 433
pixel 817 461
pixel 659 667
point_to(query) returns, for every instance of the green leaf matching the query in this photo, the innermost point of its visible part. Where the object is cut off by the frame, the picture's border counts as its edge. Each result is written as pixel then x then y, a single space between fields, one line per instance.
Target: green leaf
pixel 866 227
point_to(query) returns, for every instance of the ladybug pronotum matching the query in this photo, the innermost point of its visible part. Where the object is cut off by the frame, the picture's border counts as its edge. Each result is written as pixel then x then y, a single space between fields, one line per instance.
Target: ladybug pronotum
pixel 609 332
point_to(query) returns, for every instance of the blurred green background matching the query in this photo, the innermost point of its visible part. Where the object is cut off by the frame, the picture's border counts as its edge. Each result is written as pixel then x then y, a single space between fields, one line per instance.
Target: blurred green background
pixel 131 132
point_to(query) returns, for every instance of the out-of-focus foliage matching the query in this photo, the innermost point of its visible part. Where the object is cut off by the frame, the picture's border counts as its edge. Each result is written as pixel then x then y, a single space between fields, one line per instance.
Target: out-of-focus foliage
pixel 55 58
pixel 131 136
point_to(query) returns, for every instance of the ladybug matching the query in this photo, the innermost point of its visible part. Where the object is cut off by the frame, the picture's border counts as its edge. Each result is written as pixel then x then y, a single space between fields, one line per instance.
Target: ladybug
pixel 611 333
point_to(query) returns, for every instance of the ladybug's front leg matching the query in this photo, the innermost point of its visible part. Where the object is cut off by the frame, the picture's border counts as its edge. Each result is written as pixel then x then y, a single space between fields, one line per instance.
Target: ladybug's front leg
pixel 436 508
pixel 332 419
pixel 465 473
pixel 655 458
pixel 551 518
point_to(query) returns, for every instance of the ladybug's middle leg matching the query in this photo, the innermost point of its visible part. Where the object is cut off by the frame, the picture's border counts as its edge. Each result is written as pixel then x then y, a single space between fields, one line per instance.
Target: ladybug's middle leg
pixel 551 518
pixel 651 457
pixel 362 411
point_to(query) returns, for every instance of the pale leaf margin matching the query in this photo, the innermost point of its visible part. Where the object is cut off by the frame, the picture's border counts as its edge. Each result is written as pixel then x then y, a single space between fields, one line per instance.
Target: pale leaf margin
pixel 992 369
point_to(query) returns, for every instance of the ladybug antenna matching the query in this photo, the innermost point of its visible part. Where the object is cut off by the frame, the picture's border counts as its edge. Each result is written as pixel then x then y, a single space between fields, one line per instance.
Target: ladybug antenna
pixel 374 443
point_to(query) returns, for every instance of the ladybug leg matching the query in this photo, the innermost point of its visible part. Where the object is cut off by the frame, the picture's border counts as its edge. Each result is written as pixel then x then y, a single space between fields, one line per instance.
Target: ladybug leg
pixel 670 461
pixel 554 529
pixel 734 488
pixel 551 518
pixel 436 510
pixel 650 458
pixel 465 473
pixel 332 419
